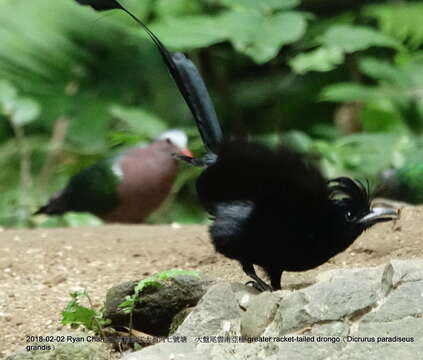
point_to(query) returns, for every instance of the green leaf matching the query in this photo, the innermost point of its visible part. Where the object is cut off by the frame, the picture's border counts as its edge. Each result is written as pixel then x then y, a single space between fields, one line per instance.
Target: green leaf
pixel 382 70
pixel 168 274
pixel 89 127
pixel 260 5
pixel 259 36
pixel 321 59
pixel 124 138
pixel 76 315
pixel 345 92
pixel 8 96
pixel 359 154
pixel 411 74
pixel 140 121
pixel 351 38
pixel 376 117
pixel 297 140
pixel 402 21
pixel 21 110
pixel 79 315
pixel 188 32
pixel 140 8
pixel 149 281
pixel 73 219
pixel 127 302
pixel 25 111
pixel 176 8
pixel 336 41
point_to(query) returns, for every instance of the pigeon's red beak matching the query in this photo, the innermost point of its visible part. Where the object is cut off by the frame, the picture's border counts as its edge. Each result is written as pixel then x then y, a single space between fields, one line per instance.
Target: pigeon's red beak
pixel 186 152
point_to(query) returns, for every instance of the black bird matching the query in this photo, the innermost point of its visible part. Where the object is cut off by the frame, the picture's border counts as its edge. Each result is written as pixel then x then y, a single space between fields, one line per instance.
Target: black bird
pixel 270 208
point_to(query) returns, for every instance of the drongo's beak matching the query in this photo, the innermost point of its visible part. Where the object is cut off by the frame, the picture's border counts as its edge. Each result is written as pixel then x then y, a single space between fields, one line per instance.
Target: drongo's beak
pixel 379 214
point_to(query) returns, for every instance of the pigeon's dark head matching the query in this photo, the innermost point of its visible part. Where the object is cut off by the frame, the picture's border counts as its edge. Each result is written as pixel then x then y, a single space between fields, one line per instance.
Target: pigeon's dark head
pixel 353 210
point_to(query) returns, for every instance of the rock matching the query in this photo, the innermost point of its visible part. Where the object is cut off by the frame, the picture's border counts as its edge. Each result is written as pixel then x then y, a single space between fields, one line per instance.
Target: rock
pixel 178 319
pixel 243 294
pixel 167 351
pixel 341 295
pixel 69 346
pixel 157 306
pixel 260 313
pixel 115 296
pixel 218 305
pixel 357 314
pixel 214 313
pixel 384 340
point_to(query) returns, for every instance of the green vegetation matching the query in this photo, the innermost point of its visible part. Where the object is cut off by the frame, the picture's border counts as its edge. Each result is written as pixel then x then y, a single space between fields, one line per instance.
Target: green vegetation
pixel 341 82
pixel 128 306
pixel 77 315
pixel 130 302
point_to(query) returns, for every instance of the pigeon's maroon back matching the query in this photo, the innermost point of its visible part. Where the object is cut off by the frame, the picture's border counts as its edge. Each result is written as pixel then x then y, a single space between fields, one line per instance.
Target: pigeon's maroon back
pixel 147 177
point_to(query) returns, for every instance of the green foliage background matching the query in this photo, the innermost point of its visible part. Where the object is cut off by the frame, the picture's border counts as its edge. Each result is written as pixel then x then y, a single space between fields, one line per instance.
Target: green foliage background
pixel 341 80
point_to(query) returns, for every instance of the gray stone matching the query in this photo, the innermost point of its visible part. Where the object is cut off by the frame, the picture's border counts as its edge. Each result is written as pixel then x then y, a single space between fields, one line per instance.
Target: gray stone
pixel 408 328
pixel 217 306
pixel 167 351
pixel 317 344
pixel 260 313
pixel 400 304
pixel 406 271
pixel 178 319
pixel 157 306
pixel 115 296
pixel 292 314
pixel 70 346
pixel 344 316
pixel 243 294
pixel 345 293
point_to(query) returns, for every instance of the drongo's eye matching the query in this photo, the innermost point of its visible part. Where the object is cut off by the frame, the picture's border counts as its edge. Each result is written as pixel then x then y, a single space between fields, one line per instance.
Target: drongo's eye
pixel 349 216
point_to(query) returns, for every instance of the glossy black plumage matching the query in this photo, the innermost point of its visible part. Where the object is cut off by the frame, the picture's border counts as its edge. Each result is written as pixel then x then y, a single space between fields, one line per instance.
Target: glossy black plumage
pixel 274 209
pixel 270 208
pixel 101 4
pixel 186 76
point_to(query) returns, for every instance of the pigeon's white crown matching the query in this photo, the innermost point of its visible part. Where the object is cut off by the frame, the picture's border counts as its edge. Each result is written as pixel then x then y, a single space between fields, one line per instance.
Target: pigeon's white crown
pixel 177 137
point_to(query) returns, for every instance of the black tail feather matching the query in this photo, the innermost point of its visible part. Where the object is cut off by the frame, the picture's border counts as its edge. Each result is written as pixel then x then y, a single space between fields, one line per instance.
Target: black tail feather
pixel 50 209
pixel 57 205
pixel 187 78
pixel 199 101
pixel 101 4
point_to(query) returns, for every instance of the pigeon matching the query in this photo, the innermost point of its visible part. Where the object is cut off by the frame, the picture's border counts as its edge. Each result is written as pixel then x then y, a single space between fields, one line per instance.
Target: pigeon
pixel 125 188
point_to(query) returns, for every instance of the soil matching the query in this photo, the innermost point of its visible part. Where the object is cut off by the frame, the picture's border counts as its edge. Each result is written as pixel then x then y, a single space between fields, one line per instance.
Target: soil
pixel 39 268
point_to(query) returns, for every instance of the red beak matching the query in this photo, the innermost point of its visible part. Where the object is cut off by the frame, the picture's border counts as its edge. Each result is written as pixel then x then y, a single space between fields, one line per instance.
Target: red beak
pixel 186 152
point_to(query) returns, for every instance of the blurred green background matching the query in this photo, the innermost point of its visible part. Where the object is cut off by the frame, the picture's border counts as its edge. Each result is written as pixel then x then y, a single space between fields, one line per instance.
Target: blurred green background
pixel 339 79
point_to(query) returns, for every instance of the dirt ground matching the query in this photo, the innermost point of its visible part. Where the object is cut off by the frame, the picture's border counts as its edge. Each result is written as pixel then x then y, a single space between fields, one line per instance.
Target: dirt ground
pixel 39 268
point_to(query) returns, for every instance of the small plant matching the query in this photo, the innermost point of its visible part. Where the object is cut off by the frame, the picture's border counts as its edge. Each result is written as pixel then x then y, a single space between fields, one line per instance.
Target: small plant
pixel 128 305
pixel 77 315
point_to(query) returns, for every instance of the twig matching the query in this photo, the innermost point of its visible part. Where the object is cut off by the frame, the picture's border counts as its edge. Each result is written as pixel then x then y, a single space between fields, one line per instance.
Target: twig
pixel 25 177
pixel 56 141
pixel 100 327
